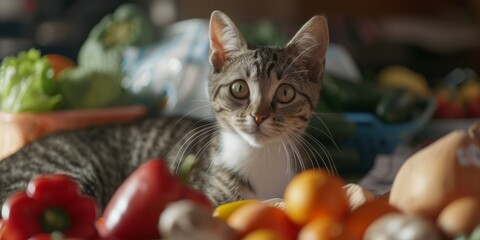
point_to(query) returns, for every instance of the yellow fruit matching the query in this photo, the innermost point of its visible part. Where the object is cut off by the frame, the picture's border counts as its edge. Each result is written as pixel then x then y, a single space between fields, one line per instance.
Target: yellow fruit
pixel 402 77
pixel 469 90
pixel 315 193
pixel 223 212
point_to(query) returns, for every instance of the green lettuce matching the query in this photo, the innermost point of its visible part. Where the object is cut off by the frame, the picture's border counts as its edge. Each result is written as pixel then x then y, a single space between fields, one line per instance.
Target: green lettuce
pixel 27 84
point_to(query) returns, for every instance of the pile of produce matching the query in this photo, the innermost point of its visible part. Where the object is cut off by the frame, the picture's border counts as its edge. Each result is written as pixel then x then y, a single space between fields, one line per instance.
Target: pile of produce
pixel 458 96
pixel 436 195
pixel 51 207
pixel 30 82
pixel 398 96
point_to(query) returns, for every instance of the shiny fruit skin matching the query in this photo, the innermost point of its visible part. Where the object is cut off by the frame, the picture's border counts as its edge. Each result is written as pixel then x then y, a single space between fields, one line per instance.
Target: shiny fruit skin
pixel 224 211
pixel 315 193
pixel 325 229
pixel 360 219
pixel 257 215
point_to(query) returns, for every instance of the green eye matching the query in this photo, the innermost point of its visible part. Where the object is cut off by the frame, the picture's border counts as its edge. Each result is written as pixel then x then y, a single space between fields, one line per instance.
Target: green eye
pixel 285 93
pixel 239 89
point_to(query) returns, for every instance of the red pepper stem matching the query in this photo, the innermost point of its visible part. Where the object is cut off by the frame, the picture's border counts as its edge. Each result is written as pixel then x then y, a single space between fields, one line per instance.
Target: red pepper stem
pixel 186 167
pixel 55 219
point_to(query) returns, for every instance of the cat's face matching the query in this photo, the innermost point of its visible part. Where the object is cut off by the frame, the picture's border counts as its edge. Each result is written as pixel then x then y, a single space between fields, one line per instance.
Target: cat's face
pixel 265 94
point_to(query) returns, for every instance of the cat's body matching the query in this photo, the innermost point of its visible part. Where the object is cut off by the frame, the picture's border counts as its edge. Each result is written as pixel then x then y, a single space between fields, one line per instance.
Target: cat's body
pixel 263 100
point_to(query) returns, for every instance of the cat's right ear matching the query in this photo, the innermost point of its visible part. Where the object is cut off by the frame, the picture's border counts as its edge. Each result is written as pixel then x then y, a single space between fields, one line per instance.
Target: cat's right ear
pixel 225 40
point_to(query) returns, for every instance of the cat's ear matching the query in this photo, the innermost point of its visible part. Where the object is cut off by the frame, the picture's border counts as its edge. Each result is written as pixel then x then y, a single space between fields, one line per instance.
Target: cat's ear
pixel 225 40
pixel 310 43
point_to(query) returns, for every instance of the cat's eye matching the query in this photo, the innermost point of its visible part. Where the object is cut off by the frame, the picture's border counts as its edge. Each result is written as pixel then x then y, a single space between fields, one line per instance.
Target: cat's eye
pixel 239 89
pixel 285 93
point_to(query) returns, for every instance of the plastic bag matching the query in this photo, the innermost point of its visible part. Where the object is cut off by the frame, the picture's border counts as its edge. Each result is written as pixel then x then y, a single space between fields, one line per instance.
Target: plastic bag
pixel 170 77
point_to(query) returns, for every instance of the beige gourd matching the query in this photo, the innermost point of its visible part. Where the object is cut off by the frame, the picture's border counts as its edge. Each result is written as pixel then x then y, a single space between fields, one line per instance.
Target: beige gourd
pixel 444 171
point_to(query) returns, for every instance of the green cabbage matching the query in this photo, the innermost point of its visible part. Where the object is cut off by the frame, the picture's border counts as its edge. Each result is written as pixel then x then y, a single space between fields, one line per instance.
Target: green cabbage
pixel 27 84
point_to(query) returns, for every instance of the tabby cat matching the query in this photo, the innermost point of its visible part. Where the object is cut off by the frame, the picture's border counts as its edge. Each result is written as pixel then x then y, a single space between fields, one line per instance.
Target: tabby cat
pixel 263 100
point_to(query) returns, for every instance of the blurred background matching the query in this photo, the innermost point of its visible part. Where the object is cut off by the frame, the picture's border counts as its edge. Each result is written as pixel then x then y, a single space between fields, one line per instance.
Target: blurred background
pixel 431 36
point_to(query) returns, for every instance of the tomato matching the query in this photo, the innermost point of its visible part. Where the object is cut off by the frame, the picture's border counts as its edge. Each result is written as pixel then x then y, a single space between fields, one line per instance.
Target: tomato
pixel 315 193
pixel 473 107
pixel 325 228
pixel 256 215
pixel 360 218
pixel 264 234
pixel 59 63
pixel 448 106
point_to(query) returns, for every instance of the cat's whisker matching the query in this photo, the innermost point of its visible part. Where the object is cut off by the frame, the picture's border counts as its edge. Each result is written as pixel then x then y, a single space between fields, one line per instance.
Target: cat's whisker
pixel 299 71
pixel 328 133
pixel 306 149
pixel 191 140
pixel 288 157
pixel 214 157
pixel 205 148
pixel 330 160
pixel 296 153
pixel 194 110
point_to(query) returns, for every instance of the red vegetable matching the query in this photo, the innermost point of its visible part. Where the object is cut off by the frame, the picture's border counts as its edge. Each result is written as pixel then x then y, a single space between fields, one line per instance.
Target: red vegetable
pixel 51 203
pixel 135 208
pixel 59 62
pixel 2 229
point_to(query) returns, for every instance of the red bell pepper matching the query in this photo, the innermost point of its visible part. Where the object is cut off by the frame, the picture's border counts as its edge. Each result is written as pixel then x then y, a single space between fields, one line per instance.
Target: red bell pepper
pixel 2 229
pixel 51 203
pixel 135 208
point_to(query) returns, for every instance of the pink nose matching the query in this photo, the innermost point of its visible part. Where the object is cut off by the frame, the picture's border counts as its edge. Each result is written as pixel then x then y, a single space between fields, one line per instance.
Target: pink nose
pixel 260 117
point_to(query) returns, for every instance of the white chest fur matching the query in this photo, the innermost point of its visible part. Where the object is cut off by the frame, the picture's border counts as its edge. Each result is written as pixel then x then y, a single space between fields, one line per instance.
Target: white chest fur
pixel 268 168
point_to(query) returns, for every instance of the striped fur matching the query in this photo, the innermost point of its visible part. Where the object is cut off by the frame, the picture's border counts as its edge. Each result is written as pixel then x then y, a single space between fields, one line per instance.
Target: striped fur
pixel 235 154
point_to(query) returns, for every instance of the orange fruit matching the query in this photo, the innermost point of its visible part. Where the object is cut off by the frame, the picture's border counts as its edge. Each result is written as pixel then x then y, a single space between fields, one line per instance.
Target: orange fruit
pixel 325 229
pixel 264 234
pixel 256 215
pixel 224 211
pixel 360 218
pixel 313 194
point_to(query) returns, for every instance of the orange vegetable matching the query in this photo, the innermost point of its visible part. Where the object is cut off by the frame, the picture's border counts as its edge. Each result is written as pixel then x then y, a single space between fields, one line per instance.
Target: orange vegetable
pixel 18 129
pixel 315 193
pixel 360 219
pixel 59 62
pixel 264 234
pixel 256 215
pixel 325 229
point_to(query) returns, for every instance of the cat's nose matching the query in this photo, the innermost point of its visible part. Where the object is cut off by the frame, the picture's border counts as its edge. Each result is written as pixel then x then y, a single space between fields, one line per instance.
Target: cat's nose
pixel 259 118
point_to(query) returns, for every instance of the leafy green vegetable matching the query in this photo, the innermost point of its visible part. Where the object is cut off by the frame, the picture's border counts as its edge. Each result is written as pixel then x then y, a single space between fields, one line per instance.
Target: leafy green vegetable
pixel 27 84
pixel 84 88
pixel 129 25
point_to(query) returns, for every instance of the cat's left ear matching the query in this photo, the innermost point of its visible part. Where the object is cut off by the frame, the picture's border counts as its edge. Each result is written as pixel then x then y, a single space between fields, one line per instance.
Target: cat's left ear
pixel 225 40
pixel 310 43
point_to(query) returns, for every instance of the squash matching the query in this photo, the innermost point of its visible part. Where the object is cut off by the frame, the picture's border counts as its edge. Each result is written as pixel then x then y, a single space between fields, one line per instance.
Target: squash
pixel 444 171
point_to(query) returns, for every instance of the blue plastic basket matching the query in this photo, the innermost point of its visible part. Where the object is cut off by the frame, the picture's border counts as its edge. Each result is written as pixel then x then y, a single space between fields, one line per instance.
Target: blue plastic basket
pixel 373 136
